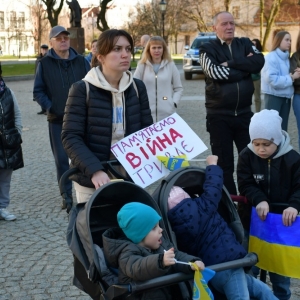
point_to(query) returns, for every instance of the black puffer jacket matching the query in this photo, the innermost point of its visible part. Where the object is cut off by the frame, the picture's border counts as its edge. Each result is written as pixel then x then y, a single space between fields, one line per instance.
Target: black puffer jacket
pixel 10 158
pixel 275 180
pixel 87 125
pixel 229 89
pixel 136 263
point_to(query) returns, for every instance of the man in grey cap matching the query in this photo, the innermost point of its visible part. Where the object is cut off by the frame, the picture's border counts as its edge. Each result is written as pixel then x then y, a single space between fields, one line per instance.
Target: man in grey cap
pixel 55 74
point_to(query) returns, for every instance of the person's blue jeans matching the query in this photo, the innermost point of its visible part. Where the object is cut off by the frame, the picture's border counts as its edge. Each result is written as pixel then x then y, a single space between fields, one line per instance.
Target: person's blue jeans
pixel 235 284
pixel 282 105
pixel 296 108
pixel 60 156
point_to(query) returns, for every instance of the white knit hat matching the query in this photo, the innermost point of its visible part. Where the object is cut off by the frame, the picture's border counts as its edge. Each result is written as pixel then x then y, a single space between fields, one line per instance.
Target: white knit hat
pixel 266 124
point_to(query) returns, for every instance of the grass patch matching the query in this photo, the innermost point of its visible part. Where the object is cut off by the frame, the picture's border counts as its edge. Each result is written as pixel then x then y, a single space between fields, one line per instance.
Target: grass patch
pixel 17 69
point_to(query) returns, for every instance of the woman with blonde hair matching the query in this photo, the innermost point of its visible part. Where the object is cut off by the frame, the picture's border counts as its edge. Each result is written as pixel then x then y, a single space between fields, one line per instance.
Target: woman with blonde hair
pixel 295 66
pixel 276 79
pixel 161 77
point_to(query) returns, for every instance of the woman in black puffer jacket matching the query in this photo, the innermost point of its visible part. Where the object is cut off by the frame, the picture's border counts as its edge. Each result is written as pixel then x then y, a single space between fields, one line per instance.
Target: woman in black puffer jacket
pixel 115 106
pixel 11 157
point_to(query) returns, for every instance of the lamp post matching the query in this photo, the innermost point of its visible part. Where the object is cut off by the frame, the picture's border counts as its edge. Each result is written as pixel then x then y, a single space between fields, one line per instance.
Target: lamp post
pixel 163 8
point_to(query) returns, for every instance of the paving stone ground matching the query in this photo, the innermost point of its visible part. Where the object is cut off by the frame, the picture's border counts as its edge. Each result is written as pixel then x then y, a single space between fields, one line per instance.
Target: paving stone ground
pixel 35 260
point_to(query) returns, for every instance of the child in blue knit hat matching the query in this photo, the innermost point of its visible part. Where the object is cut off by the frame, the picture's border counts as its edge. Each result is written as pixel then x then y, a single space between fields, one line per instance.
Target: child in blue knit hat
pixel 139 250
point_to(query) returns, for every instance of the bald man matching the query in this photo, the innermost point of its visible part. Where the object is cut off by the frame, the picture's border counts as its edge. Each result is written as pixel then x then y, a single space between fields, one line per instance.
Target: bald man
pixel 144 40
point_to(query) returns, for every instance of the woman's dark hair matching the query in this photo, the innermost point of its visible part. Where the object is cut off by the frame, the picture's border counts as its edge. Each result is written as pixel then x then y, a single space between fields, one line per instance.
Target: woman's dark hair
pixel 107 41
pixel 257 44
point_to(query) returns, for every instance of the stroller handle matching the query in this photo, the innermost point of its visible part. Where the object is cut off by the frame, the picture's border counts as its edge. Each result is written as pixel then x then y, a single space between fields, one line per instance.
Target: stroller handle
pixel 249 260
pixel 67 200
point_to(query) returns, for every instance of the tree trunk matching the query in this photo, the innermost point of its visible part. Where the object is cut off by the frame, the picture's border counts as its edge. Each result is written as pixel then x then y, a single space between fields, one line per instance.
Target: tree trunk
pixel 101 20
pixel 52 14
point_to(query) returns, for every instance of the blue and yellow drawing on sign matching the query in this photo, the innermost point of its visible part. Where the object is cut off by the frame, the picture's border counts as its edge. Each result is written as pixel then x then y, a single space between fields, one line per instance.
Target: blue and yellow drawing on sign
pixel 174 163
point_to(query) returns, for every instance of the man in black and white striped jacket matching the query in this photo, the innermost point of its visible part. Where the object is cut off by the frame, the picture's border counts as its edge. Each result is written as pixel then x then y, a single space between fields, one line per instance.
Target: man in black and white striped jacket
pixel 227 63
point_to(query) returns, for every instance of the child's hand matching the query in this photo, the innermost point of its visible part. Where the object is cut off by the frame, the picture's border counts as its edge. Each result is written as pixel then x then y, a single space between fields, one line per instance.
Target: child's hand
pixel 262 210
pixel 200 265
pixel 211 160
pixel 169 257
pixel 289 216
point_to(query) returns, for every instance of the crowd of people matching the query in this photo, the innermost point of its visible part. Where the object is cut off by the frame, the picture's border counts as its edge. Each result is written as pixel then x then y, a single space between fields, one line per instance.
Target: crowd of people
pixel 94 102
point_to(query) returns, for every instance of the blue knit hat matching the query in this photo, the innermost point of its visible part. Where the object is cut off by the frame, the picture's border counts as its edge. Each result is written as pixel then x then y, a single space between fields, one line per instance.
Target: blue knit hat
pixel 137 220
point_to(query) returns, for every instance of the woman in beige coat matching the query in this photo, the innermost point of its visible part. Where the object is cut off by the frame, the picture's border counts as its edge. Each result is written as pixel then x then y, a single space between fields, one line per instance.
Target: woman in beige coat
pixel 161 77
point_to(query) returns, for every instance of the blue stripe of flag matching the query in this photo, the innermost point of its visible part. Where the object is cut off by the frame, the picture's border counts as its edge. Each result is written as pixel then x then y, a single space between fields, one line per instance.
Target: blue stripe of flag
pixel 272 230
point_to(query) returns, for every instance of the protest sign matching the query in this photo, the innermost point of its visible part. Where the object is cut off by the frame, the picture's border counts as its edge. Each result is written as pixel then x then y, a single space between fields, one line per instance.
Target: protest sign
pixel 170 137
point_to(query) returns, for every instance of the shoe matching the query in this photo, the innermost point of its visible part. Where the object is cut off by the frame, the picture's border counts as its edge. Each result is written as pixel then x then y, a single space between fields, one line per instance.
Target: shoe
pixel 6 215
pixel 42 112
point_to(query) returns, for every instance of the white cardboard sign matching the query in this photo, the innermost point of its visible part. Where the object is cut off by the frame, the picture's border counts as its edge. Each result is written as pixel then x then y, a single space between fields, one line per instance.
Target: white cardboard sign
pixel 170 137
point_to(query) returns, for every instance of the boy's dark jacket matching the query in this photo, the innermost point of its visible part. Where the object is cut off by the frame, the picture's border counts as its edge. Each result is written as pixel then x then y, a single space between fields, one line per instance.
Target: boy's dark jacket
pixel 199 228
pixel 136 263
pixel 275 180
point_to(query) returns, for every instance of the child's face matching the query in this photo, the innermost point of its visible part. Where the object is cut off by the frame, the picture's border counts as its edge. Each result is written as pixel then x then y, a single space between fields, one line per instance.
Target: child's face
pixel 153 238
pixel 263 148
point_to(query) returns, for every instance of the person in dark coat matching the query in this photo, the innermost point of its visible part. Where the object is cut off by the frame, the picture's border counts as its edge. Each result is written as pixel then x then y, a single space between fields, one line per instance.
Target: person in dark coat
pixel 268 174
pixel 140 252
pixel 11 156
pixel 44 51
pixel 101 110
pixel 201 231
pixel 55 74
pixel 227 63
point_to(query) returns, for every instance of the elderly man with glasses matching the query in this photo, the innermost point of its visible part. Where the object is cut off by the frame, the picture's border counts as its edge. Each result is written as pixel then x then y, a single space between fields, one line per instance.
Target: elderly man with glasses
pixel 55 74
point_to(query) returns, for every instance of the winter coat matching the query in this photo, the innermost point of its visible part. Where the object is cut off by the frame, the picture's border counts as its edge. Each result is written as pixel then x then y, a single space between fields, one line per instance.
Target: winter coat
pixel 275 75
pixel 164 88
pixel 92 122
pixel 53 79
pixel 199 228
pixel 275 180
pixel 136 263
pixel 10 118
pixel 229 90
pixel 89 57
pixel 295 63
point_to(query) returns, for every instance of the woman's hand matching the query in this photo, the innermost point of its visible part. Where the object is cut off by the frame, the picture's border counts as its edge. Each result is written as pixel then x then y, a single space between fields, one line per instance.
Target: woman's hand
pixel 262 210
pixel 99 178
pixel 289 216
pixel 200 265
pixel 169 257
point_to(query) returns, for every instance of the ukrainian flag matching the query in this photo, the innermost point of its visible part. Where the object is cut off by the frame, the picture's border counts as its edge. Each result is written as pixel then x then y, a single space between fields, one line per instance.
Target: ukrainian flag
pixel 277 246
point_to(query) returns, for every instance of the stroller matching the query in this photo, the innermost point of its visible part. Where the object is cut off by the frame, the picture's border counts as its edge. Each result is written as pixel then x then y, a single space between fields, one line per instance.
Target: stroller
pixel 87 222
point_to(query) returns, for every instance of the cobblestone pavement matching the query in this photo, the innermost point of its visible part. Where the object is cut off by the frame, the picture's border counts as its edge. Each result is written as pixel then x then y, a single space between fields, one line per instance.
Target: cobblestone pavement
pixel 35 260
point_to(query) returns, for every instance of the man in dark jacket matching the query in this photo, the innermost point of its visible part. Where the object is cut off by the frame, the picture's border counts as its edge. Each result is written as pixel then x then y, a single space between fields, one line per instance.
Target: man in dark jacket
pixel 227 63
pixel 55 74
pixel 44 50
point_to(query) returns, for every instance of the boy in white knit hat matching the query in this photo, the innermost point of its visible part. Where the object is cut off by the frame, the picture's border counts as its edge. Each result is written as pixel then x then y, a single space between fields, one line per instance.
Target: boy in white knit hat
pixel 268 174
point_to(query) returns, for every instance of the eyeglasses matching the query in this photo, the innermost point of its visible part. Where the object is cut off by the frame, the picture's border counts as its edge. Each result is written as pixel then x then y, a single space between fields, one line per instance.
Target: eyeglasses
pixel 61 38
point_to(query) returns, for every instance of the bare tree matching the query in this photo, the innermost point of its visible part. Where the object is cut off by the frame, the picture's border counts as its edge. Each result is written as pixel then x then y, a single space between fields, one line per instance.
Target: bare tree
pixel 101 18
pixel 270 18
pixel 52 12
pixel 39 19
